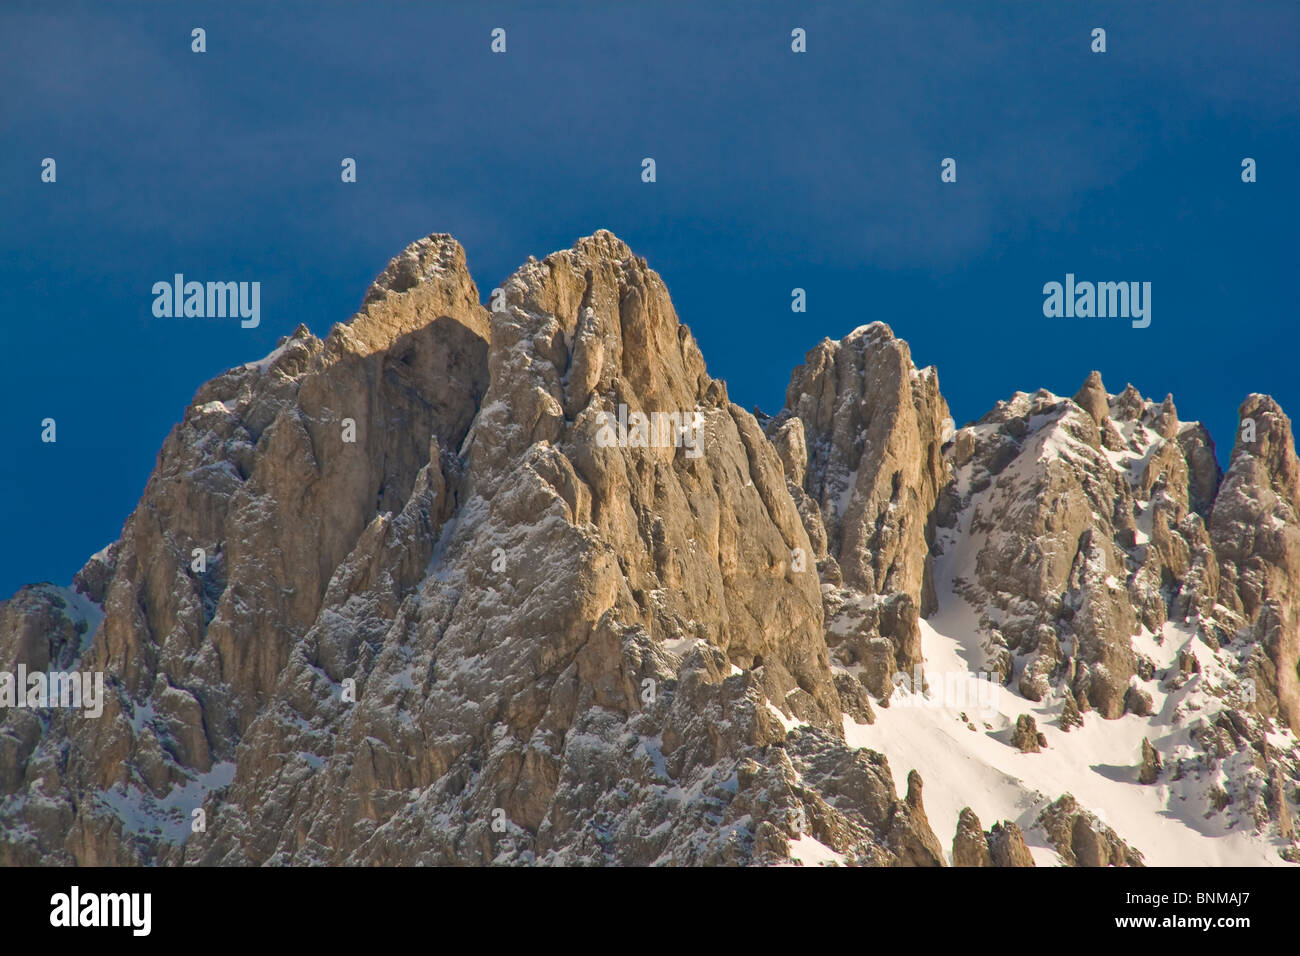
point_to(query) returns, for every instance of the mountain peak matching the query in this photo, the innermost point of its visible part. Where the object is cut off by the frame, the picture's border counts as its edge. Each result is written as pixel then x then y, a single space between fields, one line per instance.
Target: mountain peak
pixel 435 257
pixel 426 281
pixel 603 244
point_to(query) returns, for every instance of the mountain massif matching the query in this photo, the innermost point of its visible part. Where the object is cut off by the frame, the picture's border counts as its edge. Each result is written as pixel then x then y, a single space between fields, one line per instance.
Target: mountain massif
pixel 402 595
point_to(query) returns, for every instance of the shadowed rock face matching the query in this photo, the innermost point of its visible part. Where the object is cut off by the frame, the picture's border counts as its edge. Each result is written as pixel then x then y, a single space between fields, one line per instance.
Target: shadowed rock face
pixel 417 593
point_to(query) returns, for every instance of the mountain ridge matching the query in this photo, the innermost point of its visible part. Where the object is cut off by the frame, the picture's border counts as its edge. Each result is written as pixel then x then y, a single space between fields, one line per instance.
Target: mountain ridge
pixel 561 652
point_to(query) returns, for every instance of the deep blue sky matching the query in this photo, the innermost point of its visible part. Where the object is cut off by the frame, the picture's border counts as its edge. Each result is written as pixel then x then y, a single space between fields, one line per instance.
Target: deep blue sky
pixel 775 170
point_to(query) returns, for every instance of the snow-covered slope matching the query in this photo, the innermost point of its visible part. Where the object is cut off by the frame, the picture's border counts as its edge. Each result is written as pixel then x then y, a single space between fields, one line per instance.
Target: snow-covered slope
pixel 960 745
pixel 1202 808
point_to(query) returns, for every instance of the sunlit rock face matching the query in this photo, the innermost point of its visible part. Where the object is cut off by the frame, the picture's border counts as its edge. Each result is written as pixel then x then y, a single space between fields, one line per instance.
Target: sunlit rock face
pixel 518 584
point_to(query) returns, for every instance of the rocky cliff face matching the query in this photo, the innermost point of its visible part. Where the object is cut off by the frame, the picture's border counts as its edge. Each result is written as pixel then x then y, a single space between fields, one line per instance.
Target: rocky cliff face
pixel 868 472
pixel 459 585
pixel 1255 530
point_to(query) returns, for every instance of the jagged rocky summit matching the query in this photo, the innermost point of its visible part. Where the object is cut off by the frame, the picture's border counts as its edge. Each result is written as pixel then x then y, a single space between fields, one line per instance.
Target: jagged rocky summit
pixel 454 606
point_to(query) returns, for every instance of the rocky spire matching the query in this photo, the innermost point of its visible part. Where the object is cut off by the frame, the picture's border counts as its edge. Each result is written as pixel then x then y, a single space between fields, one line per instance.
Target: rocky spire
pixel 1092 398
pixel 872 427
pixel 1255 529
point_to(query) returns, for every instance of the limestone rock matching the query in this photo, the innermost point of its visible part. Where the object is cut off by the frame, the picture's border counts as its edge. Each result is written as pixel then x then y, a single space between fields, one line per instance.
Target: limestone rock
pixel 1092 398
pixel 1070 715
pixel 1137 701
pixel 442 620
pixel 1149 771
pixel 873 428
pixel 1026 737
pixel 1279 808
pixel 1255 530
pixel 911 836
pixel 970 847
pixel 1082 839
pixel 1007 846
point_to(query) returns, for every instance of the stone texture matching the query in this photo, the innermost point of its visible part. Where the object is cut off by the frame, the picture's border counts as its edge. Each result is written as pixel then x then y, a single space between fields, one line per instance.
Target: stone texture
pixel 1082 839
pixel 872 428
pixel 1255 530
pixel 1079 528
pixel 1150 767
pixel 1025 737
pixel 1007 846
pixel 970 847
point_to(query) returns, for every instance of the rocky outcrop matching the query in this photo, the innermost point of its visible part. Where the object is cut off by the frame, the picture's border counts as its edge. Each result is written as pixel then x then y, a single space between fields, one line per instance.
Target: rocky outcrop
pixel 1087 520
pixel 1007 846
pixel 1071 716
pixel 1279 808
pixel 1150 767
pixel 1045 502
pixel 1080 529
pixel 861 440
pixel 1255 530
pixel 1082 839
pixel 970 846
pixel 873 427
pixel 914 841
pixel 1025 737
